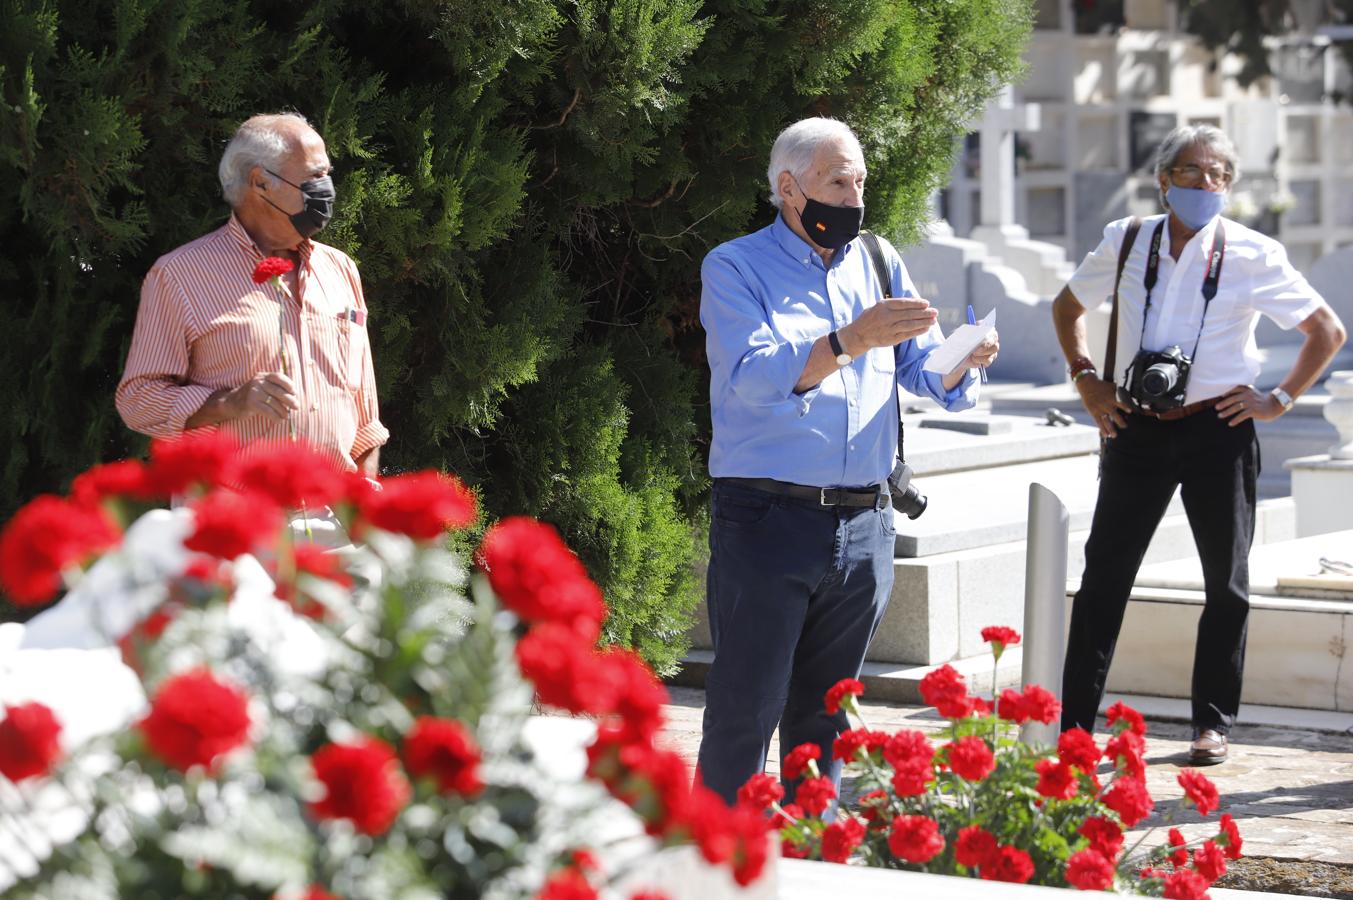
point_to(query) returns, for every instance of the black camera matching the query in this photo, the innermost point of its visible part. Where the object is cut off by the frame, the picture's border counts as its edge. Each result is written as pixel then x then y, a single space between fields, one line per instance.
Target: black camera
pixel 906 498
pixel 1157 380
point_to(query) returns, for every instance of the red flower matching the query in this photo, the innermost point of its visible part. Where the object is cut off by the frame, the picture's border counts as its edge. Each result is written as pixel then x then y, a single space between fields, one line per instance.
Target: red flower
pixel 915 839
pixel 362 783
pixel 292 475
pixel 1077 748
pixel 815 795
pixel 421 505
pixel 1000 637
pixel 1089 871
pixel 911 777
pixel 945 689
pixel 1056 780
pixel 46 536
pixel 848 744
pixel 202 457
pixel 1105 836
pixel 271 267
pixel 971 758
pixel 840 838
pixel 144 633
pixel 1009 864
pixel 1209 861
pixel 974 846
pixel 1128 797
pixel 874 808
pixel 654 783
pixel 907 745
pixel 795 848
pixel 1127 750
pixel 761 790
pixel 126 478
pixel 228 525
pixel 443 749
pixel 790 813
pixel 1039 704
pixel 537 576
pixel 1128 717
pixel 567 884
pixel 796 762
pixel 638 695
pixel 1010 706
pixel 1229 837
pixel 1185 884
pixel 316 562
pixel 846 687
pixel 196 719
pixel 567 672
pixel 29 741
pixel 649 895
pixel 1200 790
pixel 314 892
pixel 1179 857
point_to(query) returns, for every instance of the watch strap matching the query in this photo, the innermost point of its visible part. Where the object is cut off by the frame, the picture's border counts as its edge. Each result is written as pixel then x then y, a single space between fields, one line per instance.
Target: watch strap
pixel 837 350
pixel 1283 398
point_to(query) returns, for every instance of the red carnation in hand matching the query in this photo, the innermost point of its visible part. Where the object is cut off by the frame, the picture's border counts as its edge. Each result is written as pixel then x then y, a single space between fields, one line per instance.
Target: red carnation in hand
pixel 29 741
pixel 946 690
pixel 970 758
pixel 815 795
pixel 444 750
pixel 761 790
pixel 1089 871
pixel 228 525
pixel 1009 864
pixel 1105 836
pixel 45 537
pixel 126 478
pixel 1121 716
pixel 1056 780
pixel 195 719
pixel 1179 857
pixel 539 578
pixel 421 505
pixel 270 267
pixel 1200 790
pixel 362 783
pixel 840 838
pixel 974 846
pixel 1077 748
pixel 1000 637
pixel 1229 837
pixel 836 694
pixel 915 839
pixel 1128 797
pixel 1209 861
pixel 203 457
pixel 1185 884
pixel 292 475
pixel 796 761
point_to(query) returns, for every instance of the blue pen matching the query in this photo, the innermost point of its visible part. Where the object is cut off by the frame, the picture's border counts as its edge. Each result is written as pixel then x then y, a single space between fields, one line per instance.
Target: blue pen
pixel 972 320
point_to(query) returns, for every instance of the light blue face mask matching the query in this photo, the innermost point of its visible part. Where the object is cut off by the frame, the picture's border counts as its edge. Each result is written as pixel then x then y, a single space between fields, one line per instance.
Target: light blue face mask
pixel 1195 207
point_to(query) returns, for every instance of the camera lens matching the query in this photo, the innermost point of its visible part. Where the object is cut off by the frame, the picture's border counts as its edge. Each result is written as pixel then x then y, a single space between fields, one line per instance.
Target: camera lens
pixel 1159 379
pixel 911 502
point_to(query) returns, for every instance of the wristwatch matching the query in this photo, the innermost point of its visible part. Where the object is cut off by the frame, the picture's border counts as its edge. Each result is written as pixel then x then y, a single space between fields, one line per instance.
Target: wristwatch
pixel 842 357
pixel 1283 398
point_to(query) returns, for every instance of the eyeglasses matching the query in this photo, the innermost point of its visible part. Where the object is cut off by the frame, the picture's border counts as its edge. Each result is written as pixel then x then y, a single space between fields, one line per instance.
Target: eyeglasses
pixel 1192 176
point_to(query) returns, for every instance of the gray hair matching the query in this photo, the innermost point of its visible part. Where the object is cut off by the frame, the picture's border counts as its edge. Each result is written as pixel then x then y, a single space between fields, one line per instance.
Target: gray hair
pixel 1185 136
pixel 796 146
pixel 260 141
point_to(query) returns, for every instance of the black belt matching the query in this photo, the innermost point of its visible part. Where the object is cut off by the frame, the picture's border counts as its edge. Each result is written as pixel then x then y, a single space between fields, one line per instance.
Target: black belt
pixel 876 496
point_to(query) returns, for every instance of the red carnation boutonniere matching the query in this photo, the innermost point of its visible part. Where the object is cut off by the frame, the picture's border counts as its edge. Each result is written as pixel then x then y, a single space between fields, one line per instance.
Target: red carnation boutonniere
pixel 271 269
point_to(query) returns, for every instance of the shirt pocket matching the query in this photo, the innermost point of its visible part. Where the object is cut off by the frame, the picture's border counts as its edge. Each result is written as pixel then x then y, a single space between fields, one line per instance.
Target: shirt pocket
pixel 339 349
pixel 884 360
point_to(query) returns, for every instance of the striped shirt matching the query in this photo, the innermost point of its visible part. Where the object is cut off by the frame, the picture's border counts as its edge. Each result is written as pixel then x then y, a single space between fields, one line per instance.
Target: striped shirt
pixel 203 325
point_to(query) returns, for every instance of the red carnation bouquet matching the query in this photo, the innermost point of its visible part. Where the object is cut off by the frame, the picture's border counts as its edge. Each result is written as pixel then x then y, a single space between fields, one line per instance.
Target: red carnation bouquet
pixel 322 725
pixel 978 803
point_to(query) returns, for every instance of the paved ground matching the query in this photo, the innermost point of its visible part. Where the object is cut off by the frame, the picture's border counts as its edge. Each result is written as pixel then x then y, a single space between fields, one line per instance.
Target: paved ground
pixel 1290 790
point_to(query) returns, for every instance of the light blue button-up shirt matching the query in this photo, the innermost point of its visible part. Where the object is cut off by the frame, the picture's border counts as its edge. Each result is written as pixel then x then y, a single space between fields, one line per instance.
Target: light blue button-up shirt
pixel 766 299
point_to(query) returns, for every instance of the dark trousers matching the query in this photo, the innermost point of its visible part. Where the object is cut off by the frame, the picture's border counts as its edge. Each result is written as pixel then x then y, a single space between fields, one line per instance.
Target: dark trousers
pixel 1215 467
pixel 795 593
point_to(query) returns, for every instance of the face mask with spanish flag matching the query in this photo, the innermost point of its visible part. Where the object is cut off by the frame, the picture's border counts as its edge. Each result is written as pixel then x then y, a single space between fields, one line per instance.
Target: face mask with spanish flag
pixel 830 226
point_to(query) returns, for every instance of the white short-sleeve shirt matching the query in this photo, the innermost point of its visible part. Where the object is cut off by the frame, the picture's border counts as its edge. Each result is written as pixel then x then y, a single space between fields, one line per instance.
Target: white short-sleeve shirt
pixel 1256 278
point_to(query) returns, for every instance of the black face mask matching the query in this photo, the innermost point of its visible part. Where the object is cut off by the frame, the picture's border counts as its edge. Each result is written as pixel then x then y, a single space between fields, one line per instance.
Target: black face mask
pixel 830 226
pixel 319 204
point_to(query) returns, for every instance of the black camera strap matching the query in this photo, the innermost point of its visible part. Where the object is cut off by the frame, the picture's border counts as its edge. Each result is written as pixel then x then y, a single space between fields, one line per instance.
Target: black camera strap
pixel 875 251
pixel 1210 280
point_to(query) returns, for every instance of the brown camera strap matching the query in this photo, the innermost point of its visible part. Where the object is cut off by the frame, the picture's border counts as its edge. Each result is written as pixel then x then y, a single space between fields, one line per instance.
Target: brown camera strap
pixel 1111 351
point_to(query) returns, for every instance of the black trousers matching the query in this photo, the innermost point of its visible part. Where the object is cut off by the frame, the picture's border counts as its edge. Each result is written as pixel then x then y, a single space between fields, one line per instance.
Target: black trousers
pixel 1216 467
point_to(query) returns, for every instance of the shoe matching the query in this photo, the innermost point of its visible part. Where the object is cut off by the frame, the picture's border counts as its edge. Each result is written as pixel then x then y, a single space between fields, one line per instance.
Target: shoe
pixel 1209 747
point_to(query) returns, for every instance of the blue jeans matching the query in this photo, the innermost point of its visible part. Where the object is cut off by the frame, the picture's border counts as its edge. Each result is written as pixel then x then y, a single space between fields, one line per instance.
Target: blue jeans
pixel 795 593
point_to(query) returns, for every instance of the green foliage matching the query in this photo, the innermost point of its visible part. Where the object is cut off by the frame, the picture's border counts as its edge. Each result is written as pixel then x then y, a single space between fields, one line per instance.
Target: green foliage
pixel 528 187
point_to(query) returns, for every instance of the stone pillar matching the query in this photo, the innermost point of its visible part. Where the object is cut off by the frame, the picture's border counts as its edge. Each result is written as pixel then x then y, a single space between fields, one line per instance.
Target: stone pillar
pixel 997 179
pixel 1322 485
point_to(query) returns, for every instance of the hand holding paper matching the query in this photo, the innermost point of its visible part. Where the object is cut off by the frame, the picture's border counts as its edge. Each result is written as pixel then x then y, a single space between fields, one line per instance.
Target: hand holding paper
pixel 959 345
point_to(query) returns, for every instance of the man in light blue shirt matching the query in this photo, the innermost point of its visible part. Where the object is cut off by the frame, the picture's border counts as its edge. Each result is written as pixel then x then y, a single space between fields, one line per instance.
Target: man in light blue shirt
pixel 805 359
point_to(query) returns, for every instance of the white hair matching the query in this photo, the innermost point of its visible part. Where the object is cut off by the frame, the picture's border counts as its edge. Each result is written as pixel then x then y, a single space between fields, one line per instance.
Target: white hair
pixel 260 141
pixel 1185 136
pixel 796 146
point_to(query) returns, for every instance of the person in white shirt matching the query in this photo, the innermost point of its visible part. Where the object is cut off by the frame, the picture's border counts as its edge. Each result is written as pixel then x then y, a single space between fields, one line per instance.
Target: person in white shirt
pixel 1178 411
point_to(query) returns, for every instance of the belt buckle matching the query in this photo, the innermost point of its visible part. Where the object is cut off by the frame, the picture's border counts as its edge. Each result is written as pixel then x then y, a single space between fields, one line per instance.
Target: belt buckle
pixel 822 497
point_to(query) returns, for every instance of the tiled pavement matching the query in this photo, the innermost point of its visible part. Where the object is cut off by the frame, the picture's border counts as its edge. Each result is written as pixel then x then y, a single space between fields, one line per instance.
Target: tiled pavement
pixel 1290 790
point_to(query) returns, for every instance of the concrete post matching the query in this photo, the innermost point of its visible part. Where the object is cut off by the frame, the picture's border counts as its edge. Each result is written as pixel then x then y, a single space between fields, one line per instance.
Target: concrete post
pixel 1045 601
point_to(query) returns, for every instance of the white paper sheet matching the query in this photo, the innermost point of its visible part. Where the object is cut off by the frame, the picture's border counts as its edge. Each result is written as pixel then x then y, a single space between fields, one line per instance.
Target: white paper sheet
pixel 958 345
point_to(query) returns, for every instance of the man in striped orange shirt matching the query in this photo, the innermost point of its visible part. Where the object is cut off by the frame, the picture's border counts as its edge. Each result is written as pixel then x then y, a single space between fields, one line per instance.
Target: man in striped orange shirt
pixel 213 349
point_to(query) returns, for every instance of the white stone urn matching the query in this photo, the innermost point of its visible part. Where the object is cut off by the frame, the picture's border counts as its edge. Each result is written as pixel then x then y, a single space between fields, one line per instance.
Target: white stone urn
pixel 1339 412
